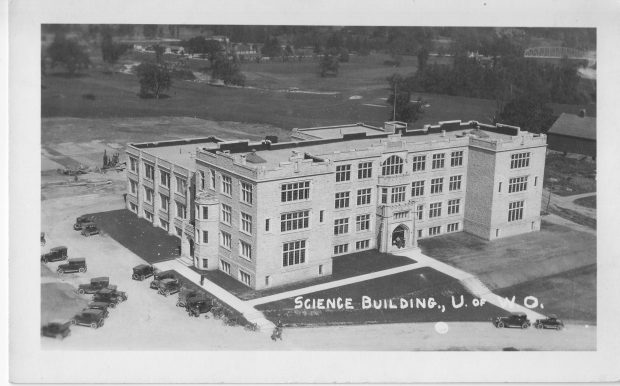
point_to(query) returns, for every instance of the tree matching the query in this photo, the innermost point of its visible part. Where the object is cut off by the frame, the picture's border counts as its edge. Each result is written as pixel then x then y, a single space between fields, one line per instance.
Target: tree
pixel 68 53
pixel 329 64
pixel 228 70
pixel 403 108
pixel 159 52
pixel 206 48
pixel 271 48
pixel 111 51
pixel 422 58
pixel 529 112
pixel 154 78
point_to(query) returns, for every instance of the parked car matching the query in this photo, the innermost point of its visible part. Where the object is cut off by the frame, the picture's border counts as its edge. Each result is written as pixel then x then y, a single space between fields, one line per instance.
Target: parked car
pixel 96 284
pixel 92 318
pixel 198 305
pixel 111 296
pixel 55 254
pixel 168 287
pixel 80 221
pixel 551 322
pixel 56 329
pixel 516 319
pixel 142 271
pixel 90 229
pixel 102 306
pixel 185 294
pixel 73 265
pixel 159 276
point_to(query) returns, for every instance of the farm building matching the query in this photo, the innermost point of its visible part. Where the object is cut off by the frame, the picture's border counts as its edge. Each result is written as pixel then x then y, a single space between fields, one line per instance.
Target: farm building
pixel 270 214
pixel 572 133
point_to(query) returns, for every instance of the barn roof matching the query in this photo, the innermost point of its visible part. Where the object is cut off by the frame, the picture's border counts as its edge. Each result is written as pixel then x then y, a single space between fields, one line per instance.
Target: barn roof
pixel 574 126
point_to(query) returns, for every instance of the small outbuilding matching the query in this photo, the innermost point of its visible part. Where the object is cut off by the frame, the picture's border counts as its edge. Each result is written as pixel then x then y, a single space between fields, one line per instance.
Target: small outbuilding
pixel 573 134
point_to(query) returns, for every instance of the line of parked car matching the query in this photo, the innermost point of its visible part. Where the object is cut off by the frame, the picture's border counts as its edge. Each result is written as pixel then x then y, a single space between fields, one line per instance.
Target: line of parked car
pixel 520 320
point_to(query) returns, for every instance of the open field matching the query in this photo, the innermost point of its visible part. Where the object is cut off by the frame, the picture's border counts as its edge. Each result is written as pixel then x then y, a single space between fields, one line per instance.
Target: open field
pixel 588 202
pixel 567 176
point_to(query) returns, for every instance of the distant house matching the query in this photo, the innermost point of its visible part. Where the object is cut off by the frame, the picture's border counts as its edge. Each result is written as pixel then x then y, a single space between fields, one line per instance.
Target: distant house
pixel 573 134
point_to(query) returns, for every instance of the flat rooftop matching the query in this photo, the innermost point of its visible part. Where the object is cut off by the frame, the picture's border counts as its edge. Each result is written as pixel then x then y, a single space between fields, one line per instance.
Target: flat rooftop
pixel 339 131
pixel 179 152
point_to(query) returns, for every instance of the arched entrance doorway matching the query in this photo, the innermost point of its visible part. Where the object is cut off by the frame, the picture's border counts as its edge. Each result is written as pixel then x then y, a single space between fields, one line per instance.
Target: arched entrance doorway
pixel 400 236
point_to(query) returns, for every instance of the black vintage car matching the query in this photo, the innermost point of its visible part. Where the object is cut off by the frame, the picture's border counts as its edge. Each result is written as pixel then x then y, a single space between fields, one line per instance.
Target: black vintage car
pixel 198 305
pixel 56 329
pixel 55 254
pixel 73 265
pixel 90 229
pixel 516 319
pixel 91 318
pixel 169 287
pixel 110 296
pixel 552 322
pixel 80 221
pixel 102 306
pixel 185 294
pixel 96 284
pixel 142 271
pixel 159 276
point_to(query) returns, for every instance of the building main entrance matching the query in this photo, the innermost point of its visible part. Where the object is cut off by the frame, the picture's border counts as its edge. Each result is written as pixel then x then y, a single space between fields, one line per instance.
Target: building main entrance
pixel 400 236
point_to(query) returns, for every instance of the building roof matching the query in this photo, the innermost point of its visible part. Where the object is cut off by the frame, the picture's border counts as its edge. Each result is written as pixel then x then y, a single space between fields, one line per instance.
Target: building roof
pixel 178 152
pixel 574 126
pixel 339 131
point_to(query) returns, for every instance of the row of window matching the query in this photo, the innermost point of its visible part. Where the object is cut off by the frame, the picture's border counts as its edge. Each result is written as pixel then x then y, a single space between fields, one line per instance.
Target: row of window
pixel 344 248
pixel 362 224
pixel 244 277
pixel 247 189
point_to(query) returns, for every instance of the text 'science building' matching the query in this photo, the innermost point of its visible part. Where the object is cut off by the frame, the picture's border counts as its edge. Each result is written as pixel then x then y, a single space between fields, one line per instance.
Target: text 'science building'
pixel 274 213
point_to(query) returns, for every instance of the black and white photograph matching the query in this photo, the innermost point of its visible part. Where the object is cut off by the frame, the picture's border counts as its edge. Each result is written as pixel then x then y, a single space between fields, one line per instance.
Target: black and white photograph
pixel 252 185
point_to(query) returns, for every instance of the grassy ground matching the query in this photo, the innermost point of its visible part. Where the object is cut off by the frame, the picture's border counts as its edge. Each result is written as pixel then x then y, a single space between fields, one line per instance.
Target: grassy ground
pixel 60 301
pixel 573 216
pixel 588 202
pixel 567 176
pixel 151 243
pixel 420 283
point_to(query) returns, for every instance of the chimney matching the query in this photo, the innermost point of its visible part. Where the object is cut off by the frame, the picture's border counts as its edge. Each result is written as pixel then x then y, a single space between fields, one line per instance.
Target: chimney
pixel 443 133
pixel 582 113
pixel 243 159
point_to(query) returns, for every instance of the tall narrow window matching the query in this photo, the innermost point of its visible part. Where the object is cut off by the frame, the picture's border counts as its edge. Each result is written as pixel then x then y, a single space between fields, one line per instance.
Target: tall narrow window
pixel 439 160
pixel 226 185
pixel 364 170
pixel 343 173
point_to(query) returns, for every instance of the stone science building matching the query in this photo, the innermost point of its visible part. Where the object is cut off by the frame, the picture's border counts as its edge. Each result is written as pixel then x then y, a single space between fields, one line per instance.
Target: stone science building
pixel 269 214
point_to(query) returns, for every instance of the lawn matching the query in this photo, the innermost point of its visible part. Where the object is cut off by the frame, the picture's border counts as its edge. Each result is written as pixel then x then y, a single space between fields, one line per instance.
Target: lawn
pixel 59 301
pixel 152 244
pixel 422 283
pixel 588 202
pixel 566 176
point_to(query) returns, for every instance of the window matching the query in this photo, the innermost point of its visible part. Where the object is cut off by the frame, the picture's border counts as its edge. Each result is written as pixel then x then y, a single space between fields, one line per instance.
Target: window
pixel 226 185
pixel 419 163
pixel 455 183
pixel 178 231
pixel 456 158
pixel 343 173
pixel 420 212
pixel 295 191
pixel 453 227
pixel 438 160
pixel 212 181
pixel 535 181
pixel 226 214
pixel 362 222
pixel 398 194
pixel 134 186
pixel 435 210
pixel 266 225
pixel 246 193
pixel 419 233
pixel 245 250
pixel 342 200
pixel 515 211
pixel 294 253
pixel 433 231
pixel 225 240
pixel 364 244
pixel 245 278
pixel 148 195
pixel 364 170
pixel 436 185
pixel 341 226
pixel 134 207
pixel 294 220
pixel 205 237
pixel 401 215
pixel 149 171
pixel 454 206
pixel 225 267
pixel 205 263
pixel 133 164
pixel 321 269
pixel 392 165
pixel 519 160
pixel 267 280
pixel 202 180
pixel 340 249
pixel 164 224
pixel 363 196
pixel 164 179
pixel 517 184
pixel 181 185
pixel 181 210
pixel 384 195
pixel 205 212
pixel 148 215
pixel 417 188
pixel 499 189
pixel 321 215
pixel 246 223
pixel 163 202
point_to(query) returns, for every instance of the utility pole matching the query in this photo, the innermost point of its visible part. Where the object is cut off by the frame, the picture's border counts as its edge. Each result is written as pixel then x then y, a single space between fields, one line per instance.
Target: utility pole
pixel 394 114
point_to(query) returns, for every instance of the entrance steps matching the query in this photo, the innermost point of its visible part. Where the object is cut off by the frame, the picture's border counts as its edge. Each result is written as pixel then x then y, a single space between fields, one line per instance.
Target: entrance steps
pixel 186 261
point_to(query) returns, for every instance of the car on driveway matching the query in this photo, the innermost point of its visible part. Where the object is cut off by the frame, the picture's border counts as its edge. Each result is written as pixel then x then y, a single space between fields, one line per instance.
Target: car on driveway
pixel 142 271
pixel 80 221
pixel 169 287
pixel 102 306
pixel 551 322
pixel 91 318
pixel 55 254
pixel 516 319
pixel 159 276
pixel 185 294
pixel 57 329
pixel 90 229
pixel 73 265
pixel 198 305
pixel 96 284
pixel 110 296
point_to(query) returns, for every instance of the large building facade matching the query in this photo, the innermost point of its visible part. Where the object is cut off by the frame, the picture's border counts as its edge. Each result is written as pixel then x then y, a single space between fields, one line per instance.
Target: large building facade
pixel 274 213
